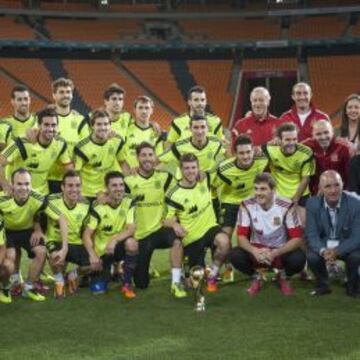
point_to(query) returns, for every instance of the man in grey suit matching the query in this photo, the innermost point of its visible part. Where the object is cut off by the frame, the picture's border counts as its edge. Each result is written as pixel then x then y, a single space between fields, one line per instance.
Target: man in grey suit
pixel 333 232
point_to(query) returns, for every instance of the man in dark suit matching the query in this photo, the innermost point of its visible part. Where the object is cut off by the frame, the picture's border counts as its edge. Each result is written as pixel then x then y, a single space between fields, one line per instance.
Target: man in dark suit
pixel 333 232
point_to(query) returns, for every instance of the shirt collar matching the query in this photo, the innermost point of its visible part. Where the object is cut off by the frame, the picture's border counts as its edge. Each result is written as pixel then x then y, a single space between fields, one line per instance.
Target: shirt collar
pixel 330 208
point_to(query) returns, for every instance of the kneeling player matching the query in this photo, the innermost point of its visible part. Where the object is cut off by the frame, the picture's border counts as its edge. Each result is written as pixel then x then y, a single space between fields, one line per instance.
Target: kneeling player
pixel 75 210
pixel 269 235
pixel 108 236
pixel 192 217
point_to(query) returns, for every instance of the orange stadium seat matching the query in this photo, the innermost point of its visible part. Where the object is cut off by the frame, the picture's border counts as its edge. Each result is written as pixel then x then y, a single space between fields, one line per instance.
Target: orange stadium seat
pixel 270 64
pixel 157 76
pixel 61 6
pixel 333 78
pixel 215 76
pixel 31 72
pixel 103 73
pixel 316 27
pixel 92 30
pixel 13 4
pixel 14 30
pixel 231 29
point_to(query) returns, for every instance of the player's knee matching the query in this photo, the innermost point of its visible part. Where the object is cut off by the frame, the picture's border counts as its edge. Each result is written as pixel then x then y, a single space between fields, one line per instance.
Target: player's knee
pixel 222 242
pixel 39 251
pixel 9 266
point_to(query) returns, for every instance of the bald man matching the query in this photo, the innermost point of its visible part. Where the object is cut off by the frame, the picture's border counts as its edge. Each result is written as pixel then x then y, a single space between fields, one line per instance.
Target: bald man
pixel 329 152
pixel 333 232
pixel 259 124
pixel 303 113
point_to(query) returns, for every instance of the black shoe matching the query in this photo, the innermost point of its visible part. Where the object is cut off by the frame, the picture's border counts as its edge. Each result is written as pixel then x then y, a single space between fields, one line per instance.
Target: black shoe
pixel 321 291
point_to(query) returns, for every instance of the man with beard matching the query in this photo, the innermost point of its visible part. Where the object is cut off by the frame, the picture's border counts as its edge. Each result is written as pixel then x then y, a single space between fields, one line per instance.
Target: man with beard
pixel 149 186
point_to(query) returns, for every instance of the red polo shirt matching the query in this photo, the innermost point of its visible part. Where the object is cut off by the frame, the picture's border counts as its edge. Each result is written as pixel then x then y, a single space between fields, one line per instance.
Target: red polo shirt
pixel 305 131
pixel 336 157
pixel 261 131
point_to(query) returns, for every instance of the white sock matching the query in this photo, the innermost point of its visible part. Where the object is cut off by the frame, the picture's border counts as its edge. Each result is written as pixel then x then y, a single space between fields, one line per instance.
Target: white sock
pixel 175 275
pixel 214 270
pixel 59 278
pixel 28 285
pixel 73 274
pixel 15 278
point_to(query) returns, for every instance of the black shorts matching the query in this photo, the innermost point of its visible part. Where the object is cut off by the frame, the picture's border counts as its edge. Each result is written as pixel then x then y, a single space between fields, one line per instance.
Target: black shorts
pixel 21 240
pixel 229 214
pixel 195 252
pixel 54 186
pixel 76 254
pixel 159 239
pixel 302 201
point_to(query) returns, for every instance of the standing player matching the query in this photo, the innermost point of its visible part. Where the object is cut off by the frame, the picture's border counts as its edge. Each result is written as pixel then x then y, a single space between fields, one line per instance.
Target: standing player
pixel 259 124
pixel 75 209
pixel 303 113
pixel 269 235
pixel 97 154
pixel 180 126
pixel 108 236
pixel 39 157
pixel 291 164
pixel 141 130
pixel 192 217
pixel 22 119
pixel 72 126
pixel 149 186
pixel 20 212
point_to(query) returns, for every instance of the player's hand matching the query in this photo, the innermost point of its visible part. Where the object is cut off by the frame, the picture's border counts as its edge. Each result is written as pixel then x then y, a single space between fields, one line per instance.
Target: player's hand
pixel 112 133
pixel 156 127
pixel 59 257
pixel 36 237
pixel 95 263
pixel 275 141
pixel 32 134
pixel 110 247
pixel 259 255
pixel 330 255
pixel 179 231
pixel 133 171
pixel 102 197
pixel 257 151
pixel 8 189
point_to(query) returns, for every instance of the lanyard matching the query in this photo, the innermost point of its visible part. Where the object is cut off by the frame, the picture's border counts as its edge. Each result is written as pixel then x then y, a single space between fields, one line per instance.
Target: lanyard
pixel 332 222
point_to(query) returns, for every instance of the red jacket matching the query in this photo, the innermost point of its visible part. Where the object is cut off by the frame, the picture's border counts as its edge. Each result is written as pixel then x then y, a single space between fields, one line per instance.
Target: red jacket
pixel 305 131
pixel 260 131
pixel 336 157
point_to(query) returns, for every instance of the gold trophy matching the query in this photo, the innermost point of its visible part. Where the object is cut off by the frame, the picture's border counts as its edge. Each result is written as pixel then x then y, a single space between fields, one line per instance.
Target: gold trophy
pixel 197 278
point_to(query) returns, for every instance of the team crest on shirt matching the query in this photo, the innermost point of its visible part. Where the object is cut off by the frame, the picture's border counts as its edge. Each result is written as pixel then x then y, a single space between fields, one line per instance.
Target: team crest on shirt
pixel 202 189
pixel 73 125
pixel 34 155
pixel 111 150
pixel 334 157
pixel 157 184
pixel 210 155
pixel 249 131
pixel 78 217
pixel 186 201
pixel 277 221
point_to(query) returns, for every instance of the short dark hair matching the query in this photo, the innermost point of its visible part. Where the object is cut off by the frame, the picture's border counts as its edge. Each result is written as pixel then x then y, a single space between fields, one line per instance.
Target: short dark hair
pixel 188 157
pixel 144 145
pixel 243 139
pixel 113 89
pixel 61 82
pixel 265 178
pixel 98 113
pixel 195 89
pixel 287 126
pixel 197 117
pixel 70 174
pixel 144 99
pixel 18 88
pixel 112 175
pixel 47 112
pixel 19 171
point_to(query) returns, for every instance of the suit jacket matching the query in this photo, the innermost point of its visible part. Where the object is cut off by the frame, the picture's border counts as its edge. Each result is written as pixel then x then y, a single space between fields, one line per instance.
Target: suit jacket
pixel 318 226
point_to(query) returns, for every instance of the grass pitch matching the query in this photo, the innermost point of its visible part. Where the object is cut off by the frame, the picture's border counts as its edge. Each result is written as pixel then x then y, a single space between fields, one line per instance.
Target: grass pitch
pixel 156 326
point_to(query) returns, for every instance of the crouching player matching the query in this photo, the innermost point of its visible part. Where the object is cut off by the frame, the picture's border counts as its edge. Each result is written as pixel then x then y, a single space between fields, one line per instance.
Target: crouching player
pixel 269 235
pixel 192 217
pixel 108 236
pixel 23 231
pixel 76 210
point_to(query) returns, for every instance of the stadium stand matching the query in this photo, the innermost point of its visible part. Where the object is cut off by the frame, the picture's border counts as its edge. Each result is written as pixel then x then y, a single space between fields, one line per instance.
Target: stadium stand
pixel 216 83
pixel 356 30
pixel 104 73
pixel 270 64
pixel 145 8
pixel 66 6
pixel 157 76
pixel 12 29
pixel 94 30
pixel 317 27
pixel 333 78
pixel 231 29
pixel 12 4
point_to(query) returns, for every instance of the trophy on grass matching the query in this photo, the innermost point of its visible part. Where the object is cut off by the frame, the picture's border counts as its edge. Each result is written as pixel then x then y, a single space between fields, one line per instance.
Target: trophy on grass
pixel 197 277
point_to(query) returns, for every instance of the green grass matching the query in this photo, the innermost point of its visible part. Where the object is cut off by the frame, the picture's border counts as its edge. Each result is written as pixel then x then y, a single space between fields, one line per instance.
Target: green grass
pixel 156 326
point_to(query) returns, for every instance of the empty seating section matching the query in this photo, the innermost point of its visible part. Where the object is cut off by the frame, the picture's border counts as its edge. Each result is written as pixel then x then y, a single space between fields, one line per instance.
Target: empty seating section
pixel 31 72
pixel 68 6
pixel 92 77
pixel 270 64
pixel 333 78
pixel 215 76
pixel 231 29
pixel 10 29
pixel 12 4
pixel 157 76
pixel 92 30
pixel 317 27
